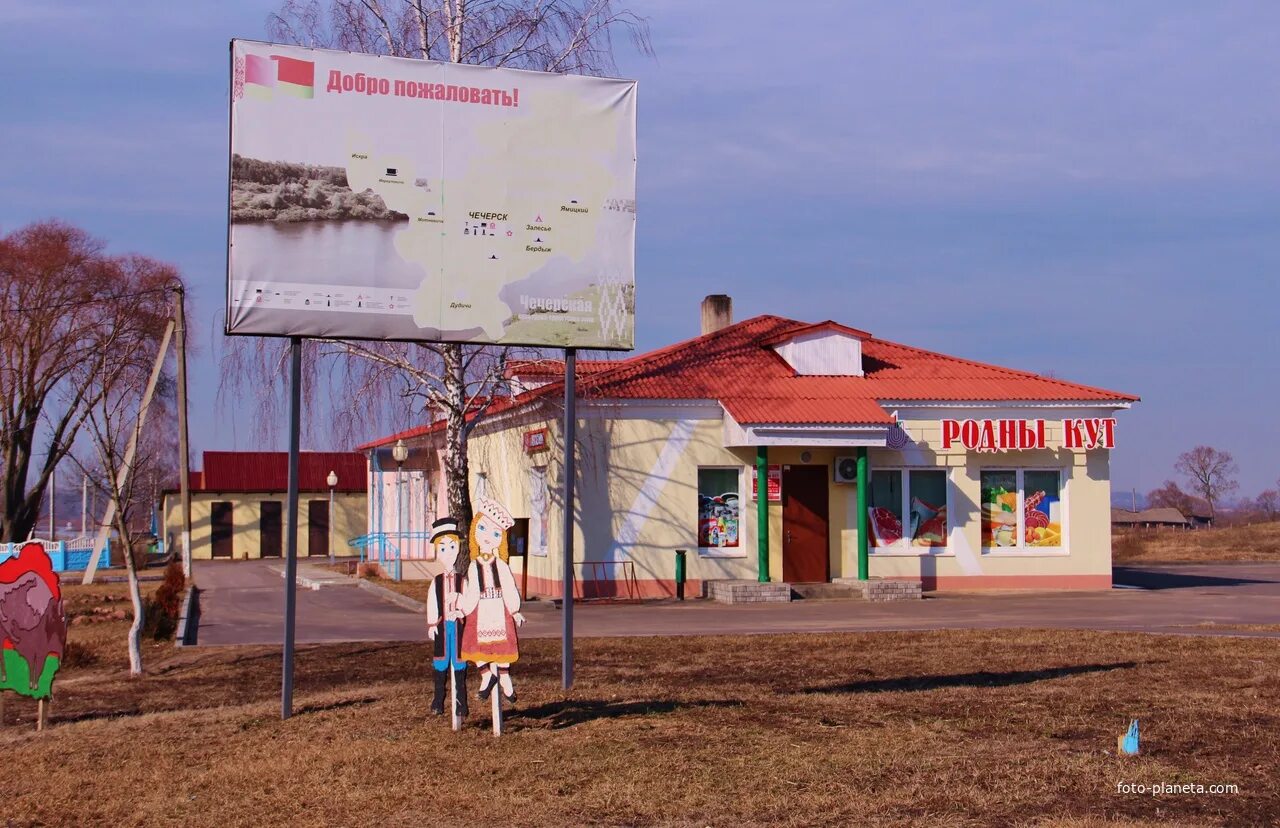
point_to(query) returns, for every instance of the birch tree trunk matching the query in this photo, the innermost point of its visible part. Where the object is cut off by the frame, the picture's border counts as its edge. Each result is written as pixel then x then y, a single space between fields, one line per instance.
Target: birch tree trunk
pixel 457 469
pixel 135 596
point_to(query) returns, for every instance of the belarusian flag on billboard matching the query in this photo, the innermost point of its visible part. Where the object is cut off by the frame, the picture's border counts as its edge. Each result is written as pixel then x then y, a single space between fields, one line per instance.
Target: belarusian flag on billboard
pixel 297 77
pixel 263 74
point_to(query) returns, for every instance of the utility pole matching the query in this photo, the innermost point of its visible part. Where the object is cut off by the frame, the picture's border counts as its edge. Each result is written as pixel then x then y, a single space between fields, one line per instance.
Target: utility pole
pixel 184 462
pixel 122 476
pixel 84 505
pixel 53 504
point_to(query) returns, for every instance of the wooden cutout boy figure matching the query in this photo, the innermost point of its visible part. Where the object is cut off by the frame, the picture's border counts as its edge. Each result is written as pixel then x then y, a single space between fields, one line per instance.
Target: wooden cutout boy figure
pixel 445 617
pixel 491 601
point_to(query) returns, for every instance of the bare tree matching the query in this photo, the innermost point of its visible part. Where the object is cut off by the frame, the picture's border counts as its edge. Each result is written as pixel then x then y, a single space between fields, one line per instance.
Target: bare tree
pixel 61 299
pixel 1209 472
pixel 1268 503
pixel 120 379
pixel 1170 494
pixel 458 381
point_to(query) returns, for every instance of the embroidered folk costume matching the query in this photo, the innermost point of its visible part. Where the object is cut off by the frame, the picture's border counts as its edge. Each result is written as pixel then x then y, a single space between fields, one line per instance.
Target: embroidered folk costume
pixel 445 620
pixel 490 600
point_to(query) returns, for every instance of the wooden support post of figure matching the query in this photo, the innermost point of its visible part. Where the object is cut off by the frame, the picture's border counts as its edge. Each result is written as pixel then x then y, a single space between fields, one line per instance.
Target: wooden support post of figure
pixel 497 706
pixel 491 604
pixel 445 623
pixel 42 715
pixel 455 717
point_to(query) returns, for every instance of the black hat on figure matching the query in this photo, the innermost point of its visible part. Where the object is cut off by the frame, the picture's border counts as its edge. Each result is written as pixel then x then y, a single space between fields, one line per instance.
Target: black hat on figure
pixel 444 526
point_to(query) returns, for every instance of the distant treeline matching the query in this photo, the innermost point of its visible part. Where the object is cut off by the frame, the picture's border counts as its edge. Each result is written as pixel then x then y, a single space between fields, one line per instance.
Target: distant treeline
pixel 290 192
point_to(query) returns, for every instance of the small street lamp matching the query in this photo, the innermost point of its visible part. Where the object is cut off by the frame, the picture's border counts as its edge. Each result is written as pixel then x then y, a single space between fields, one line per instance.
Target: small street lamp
pixel 332 480
pixel 399 453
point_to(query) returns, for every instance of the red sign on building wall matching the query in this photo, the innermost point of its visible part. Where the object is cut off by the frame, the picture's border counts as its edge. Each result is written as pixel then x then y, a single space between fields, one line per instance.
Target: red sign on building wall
pixel 775 485
pixel 1024 435
pixel 1089 433
pixel 535 440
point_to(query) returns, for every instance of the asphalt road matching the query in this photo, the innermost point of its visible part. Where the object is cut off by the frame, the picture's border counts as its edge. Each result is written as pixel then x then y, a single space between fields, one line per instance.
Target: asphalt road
pixel 243 603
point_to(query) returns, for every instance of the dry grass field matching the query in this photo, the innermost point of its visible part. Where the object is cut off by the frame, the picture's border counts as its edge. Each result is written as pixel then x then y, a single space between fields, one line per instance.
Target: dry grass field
pixel 1259 542
pixel 972 728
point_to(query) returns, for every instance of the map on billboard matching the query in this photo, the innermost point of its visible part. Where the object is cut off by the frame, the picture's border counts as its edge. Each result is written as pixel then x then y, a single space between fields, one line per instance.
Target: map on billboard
pixel 396 199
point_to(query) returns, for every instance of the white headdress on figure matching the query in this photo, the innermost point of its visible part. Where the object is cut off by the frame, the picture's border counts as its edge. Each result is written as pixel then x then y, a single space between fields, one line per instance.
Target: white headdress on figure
pixel 495 511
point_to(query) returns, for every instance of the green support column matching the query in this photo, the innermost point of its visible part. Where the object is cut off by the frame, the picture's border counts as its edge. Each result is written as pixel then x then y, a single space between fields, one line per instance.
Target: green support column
pixel 862 513
pixel 762 513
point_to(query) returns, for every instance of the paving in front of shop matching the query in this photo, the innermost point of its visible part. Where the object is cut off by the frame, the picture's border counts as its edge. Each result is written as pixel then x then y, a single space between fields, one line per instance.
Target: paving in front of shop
pixel 242 603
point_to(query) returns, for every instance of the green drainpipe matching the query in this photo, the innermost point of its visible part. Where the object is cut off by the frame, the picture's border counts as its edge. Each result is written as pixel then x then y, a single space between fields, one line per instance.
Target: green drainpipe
pixel 862 513
pixel 762 513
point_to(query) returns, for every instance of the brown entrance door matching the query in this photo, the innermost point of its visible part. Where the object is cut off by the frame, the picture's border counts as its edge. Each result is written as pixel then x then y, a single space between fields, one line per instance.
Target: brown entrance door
pixel 317 527
pixel 220 523
pixel 804 524
pixel 271 544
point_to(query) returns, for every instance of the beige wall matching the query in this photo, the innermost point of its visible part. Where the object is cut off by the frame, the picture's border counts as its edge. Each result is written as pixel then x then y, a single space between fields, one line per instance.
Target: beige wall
pixel 616 486
pixel 348 521
pixel 637 501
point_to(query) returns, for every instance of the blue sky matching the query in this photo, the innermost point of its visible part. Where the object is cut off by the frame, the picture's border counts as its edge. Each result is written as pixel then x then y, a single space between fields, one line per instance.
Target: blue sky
pixel 1091 188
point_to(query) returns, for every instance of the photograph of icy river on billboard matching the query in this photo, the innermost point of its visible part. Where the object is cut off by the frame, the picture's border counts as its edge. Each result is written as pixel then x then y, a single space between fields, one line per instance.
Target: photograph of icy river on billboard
pixel 396 199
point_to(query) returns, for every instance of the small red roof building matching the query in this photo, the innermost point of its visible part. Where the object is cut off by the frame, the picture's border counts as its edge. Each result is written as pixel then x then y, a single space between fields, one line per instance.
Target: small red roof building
pixel 268 471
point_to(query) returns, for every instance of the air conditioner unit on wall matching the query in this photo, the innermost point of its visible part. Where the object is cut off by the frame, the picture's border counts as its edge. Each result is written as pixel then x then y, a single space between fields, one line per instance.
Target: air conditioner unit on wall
pixel 846 469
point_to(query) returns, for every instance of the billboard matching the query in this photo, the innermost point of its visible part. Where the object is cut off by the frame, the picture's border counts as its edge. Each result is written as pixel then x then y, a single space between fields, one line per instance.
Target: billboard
pixel 397 199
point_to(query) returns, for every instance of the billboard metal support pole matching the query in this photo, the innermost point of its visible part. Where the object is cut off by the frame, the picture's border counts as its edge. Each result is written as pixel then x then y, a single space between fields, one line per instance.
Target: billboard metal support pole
pixel 570 444
pixel 291 533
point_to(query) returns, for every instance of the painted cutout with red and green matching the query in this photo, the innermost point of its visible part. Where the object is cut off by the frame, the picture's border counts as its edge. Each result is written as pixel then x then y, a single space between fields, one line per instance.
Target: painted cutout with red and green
pixel 33 626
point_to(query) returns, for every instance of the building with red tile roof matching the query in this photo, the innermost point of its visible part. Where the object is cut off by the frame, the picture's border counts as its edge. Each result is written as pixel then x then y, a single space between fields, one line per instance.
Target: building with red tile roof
pixel 972 475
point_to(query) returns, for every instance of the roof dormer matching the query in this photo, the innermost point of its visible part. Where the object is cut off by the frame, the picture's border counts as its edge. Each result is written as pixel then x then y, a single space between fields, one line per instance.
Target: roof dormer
pixel 824 349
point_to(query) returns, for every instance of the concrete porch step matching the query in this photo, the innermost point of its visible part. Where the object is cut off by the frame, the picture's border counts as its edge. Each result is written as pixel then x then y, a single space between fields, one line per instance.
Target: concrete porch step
pixel 813 592
pixel 748 592
pixel 883 589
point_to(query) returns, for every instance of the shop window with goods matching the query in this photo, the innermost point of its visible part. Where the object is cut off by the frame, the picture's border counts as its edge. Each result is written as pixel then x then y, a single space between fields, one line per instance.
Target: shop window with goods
pixel 1021 509
pixel 910 517
pixel 719 496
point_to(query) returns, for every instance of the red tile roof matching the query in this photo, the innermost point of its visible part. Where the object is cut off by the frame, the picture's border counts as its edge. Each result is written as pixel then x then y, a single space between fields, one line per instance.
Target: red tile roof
pixel 268 471
pixel 819 327
pixel 738 367
pixel 555 367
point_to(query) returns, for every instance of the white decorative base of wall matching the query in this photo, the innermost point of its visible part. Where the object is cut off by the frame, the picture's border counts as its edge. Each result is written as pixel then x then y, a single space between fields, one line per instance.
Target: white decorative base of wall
pixel 749 592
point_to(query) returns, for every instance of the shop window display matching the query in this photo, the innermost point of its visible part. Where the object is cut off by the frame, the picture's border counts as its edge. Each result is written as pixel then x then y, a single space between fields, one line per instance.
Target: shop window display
pixel 912 516
pixel 718 508
pixel 1021 508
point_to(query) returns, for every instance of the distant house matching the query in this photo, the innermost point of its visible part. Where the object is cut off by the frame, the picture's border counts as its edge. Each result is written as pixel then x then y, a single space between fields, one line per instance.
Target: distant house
pixel 1199 515
pixel 1163 517
pixel 239 499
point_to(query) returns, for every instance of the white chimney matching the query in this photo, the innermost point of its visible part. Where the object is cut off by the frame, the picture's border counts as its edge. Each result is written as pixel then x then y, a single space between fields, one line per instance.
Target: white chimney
pixel 717 313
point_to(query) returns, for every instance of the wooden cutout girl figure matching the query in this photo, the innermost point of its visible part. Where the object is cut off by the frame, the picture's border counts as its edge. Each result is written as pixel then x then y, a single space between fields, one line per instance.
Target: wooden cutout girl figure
pixel 491 601
pixel 445 619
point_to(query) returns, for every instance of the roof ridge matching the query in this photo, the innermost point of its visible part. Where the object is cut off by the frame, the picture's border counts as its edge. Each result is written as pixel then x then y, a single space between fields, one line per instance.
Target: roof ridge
pixel 641 359
pixel 1017 372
